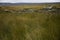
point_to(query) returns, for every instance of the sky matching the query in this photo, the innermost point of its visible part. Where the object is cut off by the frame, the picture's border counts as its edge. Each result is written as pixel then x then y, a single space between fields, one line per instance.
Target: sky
pixel 28 1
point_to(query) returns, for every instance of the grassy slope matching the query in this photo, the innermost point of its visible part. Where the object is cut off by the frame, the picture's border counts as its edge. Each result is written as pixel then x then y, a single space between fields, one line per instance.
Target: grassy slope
pixel 29 26
pixel 18 7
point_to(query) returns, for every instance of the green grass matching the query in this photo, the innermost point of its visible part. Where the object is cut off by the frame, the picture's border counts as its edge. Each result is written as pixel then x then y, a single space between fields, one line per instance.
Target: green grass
pixel 29 26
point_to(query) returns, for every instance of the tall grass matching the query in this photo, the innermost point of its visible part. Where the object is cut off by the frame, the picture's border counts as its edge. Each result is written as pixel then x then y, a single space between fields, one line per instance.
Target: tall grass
pixel 29 26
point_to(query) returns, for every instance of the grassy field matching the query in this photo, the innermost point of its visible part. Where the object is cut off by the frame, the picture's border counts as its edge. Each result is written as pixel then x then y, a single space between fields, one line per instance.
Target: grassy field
pixel 30 26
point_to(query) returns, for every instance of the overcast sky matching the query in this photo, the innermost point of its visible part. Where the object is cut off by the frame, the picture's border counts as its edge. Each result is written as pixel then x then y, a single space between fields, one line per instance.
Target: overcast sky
pixel 27 1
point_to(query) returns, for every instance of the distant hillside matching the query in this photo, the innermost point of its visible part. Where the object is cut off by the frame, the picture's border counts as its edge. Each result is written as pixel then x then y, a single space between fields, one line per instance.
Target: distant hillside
pixel 9 4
